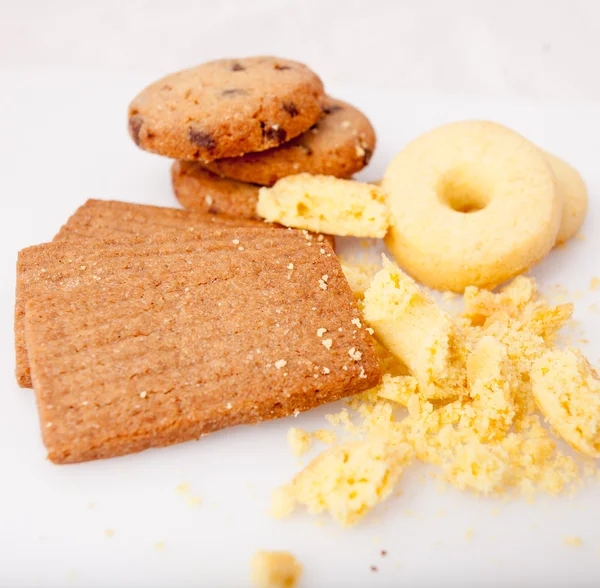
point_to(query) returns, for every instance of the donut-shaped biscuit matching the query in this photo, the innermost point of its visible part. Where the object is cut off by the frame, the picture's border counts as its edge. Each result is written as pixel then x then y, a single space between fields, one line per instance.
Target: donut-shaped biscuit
pixel 472 204
pixel 574 197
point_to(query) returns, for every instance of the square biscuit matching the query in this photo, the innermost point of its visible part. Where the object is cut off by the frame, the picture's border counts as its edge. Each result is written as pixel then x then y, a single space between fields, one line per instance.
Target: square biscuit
pixel 219 336
pixel 69 264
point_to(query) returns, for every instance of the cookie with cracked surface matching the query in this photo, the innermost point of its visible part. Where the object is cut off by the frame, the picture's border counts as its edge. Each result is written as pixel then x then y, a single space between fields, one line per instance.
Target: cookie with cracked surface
pixel 340 144
pixel 226 108
pixel 197 188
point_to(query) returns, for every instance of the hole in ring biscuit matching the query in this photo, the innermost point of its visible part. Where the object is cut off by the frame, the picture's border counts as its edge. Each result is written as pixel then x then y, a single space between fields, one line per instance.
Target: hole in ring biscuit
pixel 464 189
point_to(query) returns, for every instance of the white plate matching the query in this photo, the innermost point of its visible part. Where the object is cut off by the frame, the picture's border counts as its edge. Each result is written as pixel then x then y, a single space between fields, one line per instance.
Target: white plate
pixel 63 140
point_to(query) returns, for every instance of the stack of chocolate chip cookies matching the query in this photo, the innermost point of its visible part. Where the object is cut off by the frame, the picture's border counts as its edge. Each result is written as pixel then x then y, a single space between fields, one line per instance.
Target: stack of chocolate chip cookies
pixel 234 125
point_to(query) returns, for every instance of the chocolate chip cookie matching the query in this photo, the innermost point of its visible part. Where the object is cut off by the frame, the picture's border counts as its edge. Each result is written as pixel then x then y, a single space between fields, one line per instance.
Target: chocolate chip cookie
pixel 226 108
pixel 340 145
pixel 197 188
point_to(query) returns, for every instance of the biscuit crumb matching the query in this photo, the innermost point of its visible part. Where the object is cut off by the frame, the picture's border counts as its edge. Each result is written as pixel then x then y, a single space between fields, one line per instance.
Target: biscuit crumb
pixel 298 440
pixel 322 285
pixel 359 277
pixel 194 501
pixel 328 343
pixel 275 569
pixel 321 332
pixel 290 266
pixel 236 241
pixel 280 363
pixel 327 437
pixel 469 534
pixel 109 532
pixel 356 321
pixel 594 283
pixel 183 488
pixel 573 541
pixel 159 546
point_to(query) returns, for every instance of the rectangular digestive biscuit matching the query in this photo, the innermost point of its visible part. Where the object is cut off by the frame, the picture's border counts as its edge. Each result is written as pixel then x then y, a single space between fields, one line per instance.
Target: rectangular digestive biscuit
pixel 160 357
pixel 110 218
pixel 69 264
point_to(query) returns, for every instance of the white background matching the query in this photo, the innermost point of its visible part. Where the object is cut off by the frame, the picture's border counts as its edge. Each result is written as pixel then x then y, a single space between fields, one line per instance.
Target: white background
pixel 511 48
pixel 67 72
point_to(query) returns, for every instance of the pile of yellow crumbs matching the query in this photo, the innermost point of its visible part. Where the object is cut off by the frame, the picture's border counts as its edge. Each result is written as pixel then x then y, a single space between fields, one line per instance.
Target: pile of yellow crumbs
pixel 466 393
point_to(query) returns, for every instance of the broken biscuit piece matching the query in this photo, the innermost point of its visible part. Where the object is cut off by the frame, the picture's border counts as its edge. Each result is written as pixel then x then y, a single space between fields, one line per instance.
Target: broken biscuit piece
pixel 567 391
pixel 492 388
pixel 417 331
pixel 347 481
pixel 326 204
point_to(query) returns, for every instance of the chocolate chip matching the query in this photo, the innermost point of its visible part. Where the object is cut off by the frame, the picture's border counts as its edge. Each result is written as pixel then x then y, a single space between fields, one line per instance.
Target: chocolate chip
pixel 212 210
pixel 237 67
pixel 331 108
pixel 234 92
pixel 281 67
pixel 290 108
pixel 202 139
pixel 196 155
pixel 135 125
pixel 273 133
pixel 367 156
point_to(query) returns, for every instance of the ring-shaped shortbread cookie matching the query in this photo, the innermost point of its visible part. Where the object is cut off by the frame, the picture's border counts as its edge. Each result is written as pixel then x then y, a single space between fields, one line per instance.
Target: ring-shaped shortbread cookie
pixel 574 195
pixel 473 204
